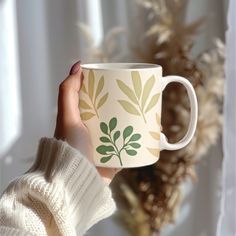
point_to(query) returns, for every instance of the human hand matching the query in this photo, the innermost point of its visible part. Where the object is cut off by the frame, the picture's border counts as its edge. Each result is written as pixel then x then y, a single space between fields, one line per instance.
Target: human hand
pixel 69 126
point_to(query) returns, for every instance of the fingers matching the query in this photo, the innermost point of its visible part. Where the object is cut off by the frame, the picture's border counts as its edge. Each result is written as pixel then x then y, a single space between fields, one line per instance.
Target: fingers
pixel 68 98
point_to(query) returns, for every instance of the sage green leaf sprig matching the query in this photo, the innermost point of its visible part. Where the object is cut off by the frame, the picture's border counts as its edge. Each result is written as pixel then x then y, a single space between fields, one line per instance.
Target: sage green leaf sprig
pixel 140 102
pixel 110 147
pixel 93 93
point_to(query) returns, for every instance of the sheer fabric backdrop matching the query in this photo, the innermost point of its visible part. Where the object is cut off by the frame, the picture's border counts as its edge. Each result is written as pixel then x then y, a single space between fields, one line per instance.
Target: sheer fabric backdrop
pixel 227 220
pixel 10 107
pixel 48 42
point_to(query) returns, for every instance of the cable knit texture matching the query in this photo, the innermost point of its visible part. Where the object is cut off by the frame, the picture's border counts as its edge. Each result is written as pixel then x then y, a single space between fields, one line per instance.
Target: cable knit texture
pixel 61 194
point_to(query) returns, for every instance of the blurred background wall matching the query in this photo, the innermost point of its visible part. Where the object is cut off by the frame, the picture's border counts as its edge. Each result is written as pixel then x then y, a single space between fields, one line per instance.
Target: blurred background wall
pixel 47 42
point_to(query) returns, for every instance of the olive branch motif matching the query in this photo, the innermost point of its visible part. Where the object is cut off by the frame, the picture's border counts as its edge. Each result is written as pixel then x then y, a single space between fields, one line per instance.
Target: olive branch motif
pixel 138 98
pixel 156 136
pixel 110 147
pixel 93 94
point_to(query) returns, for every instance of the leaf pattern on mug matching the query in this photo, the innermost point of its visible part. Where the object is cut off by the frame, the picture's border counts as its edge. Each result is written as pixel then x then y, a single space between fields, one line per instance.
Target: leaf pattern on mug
pixel 156 136
pixel 84 104
pixel 102 100
pixel 129 107
pixel 152 102
pixel 110 148
pixel 91 84
pixel 96 100
pixel 127 91
pixel 154 151
pixel 87 115
pixel 137 83
pixel 147 89
pixel 158 119
pixel 140 100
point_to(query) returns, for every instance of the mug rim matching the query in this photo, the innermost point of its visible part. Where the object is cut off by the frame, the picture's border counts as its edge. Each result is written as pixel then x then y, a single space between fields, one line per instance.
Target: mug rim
pixel 120 66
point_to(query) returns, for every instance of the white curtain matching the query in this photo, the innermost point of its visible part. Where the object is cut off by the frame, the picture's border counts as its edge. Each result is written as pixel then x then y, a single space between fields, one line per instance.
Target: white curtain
pixel 227 220
pixel 10 110
pixel 46 41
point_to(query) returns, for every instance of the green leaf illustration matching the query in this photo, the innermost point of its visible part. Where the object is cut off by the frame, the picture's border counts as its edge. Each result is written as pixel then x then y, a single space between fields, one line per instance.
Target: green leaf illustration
pixel 105 159
pixel 84 104
pixel 111 136
pixel 112 123
pixel 116 135
pixel 129 107
pixel 135 145
pixel 131 152
pixel 147 89
pixel 137 83
pixel 127 91
pixel 102 100
pixel 86 115
pixel 91 84
pixel 135 137
pixel 152 102
pixel 104 127
pixel 99 87
pixel 127 132
pixel 103 149
pixel 105 139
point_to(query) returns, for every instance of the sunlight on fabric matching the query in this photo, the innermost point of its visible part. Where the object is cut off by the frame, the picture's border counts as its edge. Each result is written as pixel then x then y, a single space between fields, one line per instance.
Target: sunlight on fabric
pixel 94 13
pixel 9 77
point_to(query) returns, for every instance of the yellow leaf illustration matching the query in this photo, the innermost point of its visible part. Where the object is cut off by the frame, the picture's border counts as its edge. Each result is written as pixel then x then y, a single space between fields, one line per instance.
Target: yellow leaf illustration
pixel 154 151
pixel 83 88
pixel 129 107
pixel 147 89
pixel 84 104
pixel 91 84
pixel 99 87
pixel 127 91
pixel 152 102
pixel 158 119
pixel 87 115
pixel 137 83
pixel 102 100
pixel 155 135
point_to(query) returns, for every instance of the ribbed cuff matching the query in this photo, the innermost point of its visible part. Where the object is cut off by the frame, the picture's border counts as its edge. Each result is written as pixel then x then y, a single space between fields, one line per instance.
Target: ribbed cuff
pixel 70 186
pixel 9 231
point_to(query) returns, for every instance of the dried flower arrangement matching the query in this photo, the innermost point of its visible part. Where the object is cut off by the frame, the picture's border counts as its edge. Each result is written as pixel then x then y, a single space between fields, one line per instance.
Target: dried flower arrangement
pixel 149 197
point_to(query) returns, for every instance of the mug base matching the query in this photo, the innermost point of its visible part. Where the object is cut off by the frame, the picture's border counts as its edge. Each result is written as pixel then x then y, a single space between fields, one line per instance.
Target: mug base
pixel 125 166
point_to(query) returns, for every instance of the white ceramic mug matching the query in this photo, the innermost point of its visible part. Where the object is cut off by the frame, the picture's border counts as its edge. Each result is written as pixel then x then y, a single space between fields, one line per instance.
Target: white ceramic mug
pixel 120 103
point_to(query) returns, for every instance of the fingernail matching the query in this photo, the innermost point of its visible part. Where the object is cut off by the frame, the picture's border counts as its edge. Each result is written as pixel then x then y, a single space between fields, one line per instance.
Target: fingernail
pixel 75 68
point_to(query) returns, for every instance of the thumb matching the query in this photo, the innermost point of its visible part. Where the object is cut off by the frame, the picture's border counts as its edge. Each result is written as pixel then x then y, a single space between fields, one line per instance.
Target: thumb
pixel 68 98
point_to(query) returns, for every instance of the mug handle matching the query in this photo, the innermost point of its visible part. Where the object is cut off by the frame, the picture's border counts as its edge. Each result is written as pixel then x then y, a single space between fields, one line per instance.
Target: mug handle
pixel 164 144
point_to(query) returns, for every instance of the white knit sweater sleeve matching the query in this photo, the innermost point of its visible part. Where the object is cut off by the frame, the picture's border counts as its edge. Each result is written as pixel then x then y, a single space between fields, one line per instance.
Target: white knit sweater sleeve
pixel 61 194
